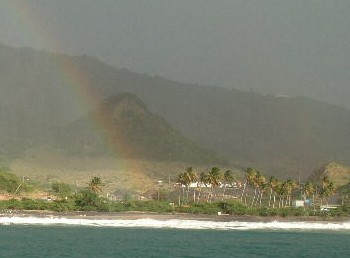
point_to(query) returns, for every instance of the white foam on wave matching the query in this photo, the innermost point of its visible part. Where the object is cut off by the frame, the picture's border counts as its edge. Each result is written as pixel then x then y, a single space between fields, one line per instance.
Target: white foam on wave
pixel 178 224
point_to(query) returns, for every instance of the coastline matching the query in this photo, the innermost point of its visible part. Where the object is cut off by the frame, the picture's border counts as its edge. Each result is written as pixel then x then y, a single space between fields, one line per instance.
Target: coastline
pixel 92 215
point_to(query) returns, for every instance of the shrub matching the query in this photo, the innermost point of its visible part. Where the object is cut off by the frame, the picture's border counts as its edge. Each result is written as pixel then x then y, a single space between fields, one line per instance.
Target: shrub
pixel 86 198
pixel 299 212
pixel 31 204
pixel 10 182
pixel 63 205
pixel 264 211
pixel 234 207
pixel 61 189
pixel 12 204
pixel 203 207
pixel 153 206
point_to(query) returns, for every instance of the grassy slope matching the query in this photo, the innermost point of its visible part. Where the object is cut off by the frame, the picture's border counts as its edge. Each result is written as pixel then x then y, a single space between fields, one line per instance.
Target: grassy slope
pixel 47 165
pixel 338 173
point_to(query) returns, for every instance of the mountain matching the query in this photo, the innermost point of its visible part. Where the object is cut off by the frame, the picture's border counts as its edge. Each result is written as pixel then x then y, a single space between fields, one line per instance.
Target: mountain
pixel 338 173
pixel 124 127
pixel 283 136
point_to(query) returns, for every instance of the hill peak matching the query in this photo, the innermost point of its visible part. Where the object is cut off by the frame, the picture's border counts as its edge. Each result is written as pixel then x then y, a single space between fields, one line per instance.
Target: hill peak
pixel 122 103
pixel 148 136
pixel 124 97
pixel 337 172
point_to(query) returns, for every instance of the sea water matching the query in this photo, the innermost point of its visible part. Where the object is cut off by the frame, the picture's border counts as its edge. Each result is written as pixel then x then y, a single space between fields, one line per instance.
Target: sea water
pixel 55 237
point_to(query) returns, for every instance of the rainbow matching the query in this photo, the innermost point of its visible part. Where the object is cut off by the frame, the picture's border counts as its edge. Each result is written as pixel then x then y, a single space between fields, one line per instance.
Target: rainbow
pixel 76 80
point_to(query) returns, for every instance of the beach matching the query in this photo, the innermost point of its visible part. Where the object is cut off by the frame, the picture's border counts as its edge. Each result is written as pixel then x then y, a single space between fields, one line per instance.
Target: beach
pixel 136 215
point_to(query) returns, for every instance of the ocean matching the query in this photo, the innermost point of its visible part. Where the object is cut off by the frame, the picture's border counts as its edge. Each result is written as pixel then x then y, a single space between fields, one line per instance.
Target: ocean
pixel 39 237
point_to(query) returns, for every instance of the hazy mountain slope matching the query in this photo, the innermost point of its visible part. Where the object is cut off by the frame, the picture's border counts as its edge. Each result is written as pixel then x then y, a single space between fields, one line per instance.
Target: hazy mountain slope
pixel 130 130
pixel 338 173
pixel 283 136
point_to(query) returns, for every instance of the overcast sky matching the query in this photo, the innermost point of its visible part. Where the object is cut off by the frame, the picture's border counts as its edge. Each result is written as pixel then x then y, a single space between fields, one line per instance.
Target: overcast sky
pixel 283 47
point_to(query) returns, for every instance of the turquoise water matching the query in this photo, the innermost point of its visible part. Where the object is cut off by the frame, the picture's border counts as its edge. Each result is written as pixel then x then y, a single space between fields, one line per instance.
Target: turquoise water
pixel 82 241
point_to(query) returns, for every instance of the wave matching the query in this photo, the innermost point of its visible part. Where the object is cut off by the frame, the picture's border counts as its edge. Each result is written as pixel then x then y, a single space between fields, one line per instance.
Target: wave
pixel 177 224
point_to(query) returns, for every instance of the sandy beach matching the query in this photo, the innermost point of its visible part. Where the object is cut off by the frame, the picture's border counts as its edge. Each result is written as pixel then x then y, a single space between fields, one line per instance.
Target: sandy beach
pixel 91 215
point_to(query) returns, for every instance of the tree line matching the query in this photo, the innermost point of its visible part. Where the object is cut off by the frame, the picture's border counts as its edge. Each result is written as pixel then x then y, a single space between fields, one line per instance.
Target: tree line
pixel 257 190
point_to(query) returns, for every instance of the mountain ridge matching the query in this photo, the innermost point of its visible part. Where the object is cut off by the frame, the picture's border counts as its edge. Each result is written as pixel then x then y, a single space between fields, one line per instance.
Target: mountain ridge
pixel 282 136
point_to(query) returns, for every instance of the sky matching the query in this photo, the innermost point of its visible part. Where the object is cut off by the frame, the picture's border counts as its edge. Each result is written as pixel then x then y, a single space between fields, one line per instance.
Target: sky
pixel 280 47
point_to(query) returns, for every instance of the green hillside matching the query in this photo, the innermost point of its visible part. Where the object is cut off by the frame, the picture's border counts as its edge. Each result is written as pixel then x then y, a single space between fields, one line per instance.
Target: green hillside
pixel 338 173
pixel 12 184
pixel 123 124
pixel 284 136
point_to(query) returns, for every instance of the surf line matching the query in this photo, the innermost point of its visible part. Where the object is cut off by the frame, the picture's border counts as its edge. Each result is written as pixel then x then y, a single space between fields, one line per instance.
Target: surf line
pixel 176 224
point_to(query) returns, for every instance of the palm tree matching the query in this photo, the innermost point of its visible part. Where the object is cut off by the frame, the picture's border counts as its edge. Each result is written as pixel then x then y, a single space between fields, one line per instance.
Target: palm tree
pixel 249 176
pixel 214 177
pixel 203 180
pixel 261 185
pixel 327 188
pixel 192 177
pixel 272 183
pixel 290 186
pixel 228 179
pixel 281 191
pixel 257 182
pixel 95 185
pixel 262 188
pixel 253 182
pixel 309 190
pixel 186 178
pixel 182 181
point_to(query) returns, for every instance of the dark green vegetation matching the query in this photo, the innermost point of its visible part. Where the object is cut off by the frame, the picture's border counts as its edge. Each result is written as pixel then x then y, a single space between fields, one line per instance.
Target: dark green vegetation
pixel 40 91
pixel 210 192
pixel 224 207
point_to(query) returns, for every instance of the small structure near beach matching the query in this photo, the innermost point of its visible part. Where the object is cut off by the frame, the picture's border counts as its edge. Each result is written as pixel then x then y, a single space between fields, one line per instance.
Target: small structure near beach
pixel 298 203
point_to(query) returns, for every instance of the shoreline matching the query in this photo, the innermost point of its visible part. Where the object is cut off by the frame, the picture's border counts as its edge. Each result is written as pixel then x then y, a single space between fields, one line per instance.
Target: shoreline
pixel 93 215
